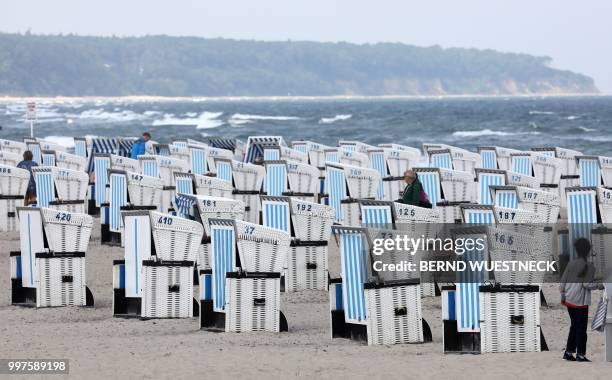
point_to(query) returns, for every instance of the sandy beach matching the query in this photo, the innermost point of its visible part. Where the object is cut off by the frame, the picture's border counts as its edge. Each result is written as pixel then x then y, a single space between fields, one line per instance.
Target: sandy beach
pixel 100 346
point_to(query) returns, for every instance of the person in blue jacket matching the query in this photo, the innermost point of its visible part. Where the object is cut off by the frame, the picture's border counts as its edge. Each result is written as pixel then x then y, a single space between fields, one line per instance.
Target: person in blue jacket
pixel 138 148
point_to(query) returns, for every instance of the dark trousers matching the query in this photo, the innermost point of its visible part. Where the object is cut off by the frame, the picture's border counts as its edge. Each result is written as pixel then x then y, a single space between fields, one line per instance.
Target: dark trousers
pixel 577 338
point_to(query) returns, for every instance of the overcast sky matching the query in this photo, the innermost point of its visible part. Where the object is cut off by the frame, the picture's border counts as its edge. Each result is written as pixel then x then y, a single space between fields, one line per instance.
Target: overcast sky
pixel 577 34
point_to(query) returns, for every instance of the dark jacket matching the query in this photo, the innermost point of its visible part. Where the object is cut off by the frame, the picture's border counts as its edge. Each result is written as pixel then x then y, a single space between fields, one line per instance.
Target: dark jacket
pixel 28 165
pixel 138 148
pixel 413 193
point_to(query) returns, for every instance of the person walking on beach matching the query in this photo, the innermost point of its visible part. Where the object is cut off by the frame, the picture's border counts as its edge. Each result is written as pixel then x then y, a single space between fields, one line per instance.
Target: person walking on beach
pixel 413 193
pixel 575 287
pixel 27 164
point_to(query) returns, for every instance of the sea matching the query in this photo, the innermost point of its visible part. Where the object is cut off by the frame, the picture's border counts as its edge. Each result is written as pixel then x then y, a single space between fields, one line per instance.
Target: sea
pixel 582 123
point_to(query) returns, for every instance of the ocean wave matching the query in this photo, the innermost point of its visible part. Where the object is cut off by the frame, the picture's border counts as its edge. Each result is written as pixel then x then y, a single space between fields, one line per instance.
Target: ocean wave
pixel 240 116
pixel 115 116
pixel 329 120
pixel 205 120
pixel 572 117
pixel 65 141
pixel 239 122
pixel 585 129
pixel 488 132
pixel 541 113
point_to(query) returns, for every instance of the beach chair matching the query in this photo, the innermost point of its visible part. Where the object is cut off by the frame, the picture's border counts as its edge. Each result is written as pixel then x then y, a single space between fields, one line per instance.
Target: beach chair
pixel 70 161
pixel 10 146
pixel 290 154
pixel 309 224
pixel 518 179
pixel 163 167
pixel 485 178
pixel 256 146
pixel 353 158
pixel 355 146
pixel 332 155
pixel 183 182
pixel 61 189
pixel 589 169
pixel 180 152
pixel 547 169
pixel 367 310
pixel 198 161
pixel 223 259
pixel 207 208
pixel 391 164
pixel 440 158
pixel 566 157
pixel 212 186
pixel 8 158
pixel 155 280
pixel 303 181
pixel 247 177
pixel 582 213
pixel 455 182
pixel 377 214
pixel 345 185
pixel 457 186
pixel 49 270
pixel 315 151
pixel 522 163
pixel 510 319
pixel 605 163
pixel 13 186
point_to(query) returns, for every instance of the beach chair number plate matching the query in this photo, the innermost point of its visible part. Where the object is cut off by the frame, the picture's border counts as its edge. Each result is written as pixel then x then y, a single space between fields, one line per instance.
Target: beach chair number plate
pixel 209 203
pixel 249 230
pixel 503 239
pixel 63 216
pixel 165 220
pixel 407 212
pixel 302 207
pixel 506 215
pixel 530 195
pixel 136 177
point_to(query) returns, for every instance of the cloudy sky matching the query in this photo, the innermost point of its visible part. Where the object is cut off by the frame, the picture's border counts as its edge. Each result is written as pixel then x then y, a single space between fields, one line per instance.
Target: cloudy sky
pixel 576 34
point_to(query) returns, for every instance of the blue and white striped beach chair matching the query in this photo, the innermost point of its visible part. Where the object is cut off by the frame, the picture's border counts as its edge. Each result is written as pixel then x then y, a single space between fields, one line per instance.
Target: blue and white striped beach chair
pixel 504 196
pixel 118 198
pixel 353 157
pixel 224 169
pixel 486 178
pixel 581 212
pixel 589 170
pixel 213 154
pixel 80 147
pixel 45 185
pixel 53 244
pixel 332 155
pixel 547 169
pixel 276 212
pixel 180 152
pixel 377 214
pixel 70 161
pixel 247 177
pixel 430 179
pixel 504 160
pixel 163 167
pixel 290 154
pixel 457 186
pixel 13 185
pixel 355 146
pixel 48 157
pixel 366 310
pixel 198 160
pixel 127 273
pixel 315 151
pixel 256 146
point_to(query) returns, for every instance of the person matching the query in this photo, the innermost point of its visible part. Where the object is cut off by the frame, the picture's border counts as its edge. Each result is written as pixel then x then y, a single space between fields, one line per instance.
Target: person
pixel 140 147
pixel 27 164
pixel 149 144
pixel 413 193
pixel 575 287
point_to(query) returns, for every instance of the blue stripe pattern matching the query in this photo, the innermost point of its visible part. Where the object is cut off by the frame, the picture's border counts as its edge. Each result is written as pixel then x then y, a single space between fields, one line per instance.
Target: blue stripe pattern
pixel 48 159
pixel 275 214
pixel 522 165
pixel 150 168
pixel 336 186
pixel 441 160
pixel 484 181
pixel 478 216
pixel 36 152
pixel 506 198
pixel 101 166
pixel 379 163
pixel 276 179
pixel 198 161
pixel 376 215
pixel 589 172
pixel 118 194
pixel 582 215
pixel 489 159
pixel 468 296
pixel 222 246
pixel 431 186
pixel 184 205
pixel 271 154
pixel 80 148
pixel 354 265
pixel 300 148
pixel 224 170
pixel 332 157
pixel 45 188
pixel 183 184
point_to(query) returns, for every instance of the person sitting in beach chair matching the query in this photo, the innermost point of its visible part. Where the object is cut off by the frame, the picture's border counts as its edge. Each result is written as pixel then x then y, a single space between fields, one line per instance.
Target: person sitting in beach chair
pixel 413 193
pixel 27 164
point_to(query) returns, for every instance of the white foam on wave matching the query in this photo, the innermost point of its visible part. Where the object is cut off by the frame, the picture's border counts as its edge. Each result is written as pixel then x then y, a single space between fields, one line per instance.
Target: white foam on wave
pixel 572 117
pixel 99 114
pixel 205 120
pixel 239 122
pixel 240 116
pixel 587 129
pixel 65 141
pixel 488 132
pixel 329 120
pixel 541 113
